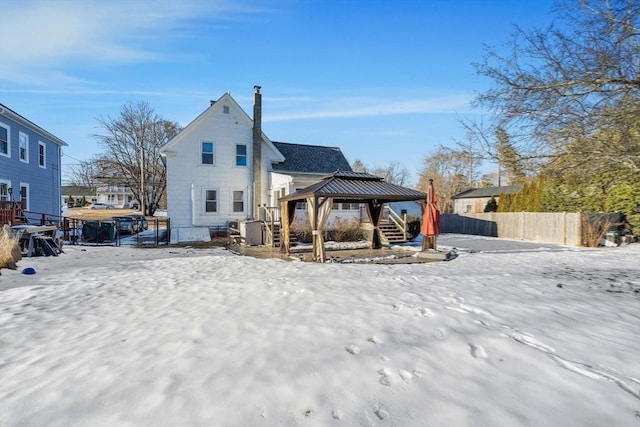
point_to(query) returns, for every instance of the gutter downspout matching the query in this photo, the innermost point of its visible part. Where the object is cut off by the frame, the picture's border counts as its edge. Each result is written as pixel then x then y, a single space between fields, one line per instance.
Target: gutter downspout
pixel 193 203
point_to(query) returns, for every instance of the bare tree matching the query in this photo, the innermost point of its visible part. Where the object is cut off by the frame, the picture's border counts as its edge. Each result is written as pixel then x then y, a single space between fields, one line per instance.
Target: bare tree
pixel 556 88
pixel 394 173
pixel 449 170
pixel 132 142
pixel 85 173
pixel 358 166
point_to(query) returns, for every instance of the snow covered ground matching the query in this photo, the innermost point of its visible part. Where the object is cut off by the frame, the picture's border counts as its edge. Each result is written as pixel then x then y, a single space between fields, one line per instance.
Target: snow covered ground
pixel 506 334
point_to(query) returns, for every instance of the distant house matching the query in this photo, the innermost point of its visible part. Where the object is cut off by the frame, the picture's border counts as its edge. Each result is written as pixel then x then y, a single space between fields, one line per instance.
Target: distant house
pixel 222 169
pixel 117 195
pixel 474 200
pixel 72 195
pixel 30 160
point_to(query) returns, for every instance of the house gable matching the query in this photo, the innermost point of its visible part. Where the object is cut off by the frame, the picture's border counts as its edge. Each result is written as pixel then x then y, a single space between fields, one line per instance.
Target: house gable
pixel 225 107
pixel 230 115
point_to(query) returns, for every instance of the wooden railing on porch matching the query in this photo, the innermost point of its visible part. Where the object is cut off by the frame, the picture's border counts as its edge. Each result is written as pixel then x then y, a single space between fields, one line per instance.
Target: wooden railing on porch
pixel 270 215
pixel 12 212
pixel 399 220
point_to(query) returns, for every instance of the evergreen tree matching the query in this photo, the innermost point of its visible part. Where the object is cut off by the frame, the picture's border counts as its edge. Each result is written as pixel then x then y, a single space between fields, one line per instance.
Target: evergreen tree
pixel 492 205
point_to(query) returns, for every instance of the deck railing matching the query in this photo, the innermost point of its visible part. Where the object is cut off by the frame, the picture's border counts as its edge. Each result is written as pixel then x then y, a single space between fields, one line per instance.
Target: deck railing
pixel 399 220
pixel 270 215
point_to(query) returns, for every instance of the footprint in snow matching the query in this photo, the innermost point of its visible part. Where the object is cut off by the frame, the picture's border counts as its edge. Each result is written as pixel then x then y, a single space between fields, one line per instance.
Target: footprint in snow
pixel 440 333
pixel 386 377
pixel 374 339
pixel 405 375
pixel 353 349
pixel 477 351
pixel 424 312
pixel 381 414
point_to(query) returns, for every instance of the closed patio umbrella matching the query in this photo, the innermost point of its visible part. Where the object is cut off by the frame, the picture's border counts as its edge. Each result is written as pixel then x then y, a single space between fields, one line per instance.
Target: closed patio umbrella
pixel 430 226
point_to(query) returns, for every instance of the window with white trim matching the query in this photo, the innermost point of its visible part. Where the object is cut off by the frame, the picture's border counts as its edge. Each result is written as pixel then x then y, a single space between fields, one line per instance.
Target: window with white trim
pixel 24 194
pixel 4 190
pixel 42 155
pixel 208 153
pixel 241 155
pixel 238 201
pixel 211 201
pixel 23 147
pixel 5 148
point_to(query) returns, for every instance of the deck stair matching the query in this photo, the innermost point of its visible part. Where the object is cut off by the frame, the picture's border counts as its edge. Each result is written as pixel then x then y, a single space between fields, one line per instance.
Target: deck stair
pixel 273 235
pixel 392 233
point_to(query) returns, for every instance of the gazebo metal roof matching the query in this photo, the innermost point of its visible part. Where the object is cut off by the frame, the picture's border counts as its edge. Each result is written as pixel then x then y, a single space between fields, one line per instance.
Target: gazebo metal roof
pixel 371 190
pixel 356 186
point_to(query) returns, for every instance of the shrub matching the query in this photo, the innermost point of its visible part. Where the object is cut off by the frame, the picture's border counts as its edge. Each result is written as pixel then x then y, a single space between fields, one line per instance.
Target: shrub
pixel 9 250
pixel 301 231
pixel 346 230
pixel 413 226
pixel 594 227
pixel 492 205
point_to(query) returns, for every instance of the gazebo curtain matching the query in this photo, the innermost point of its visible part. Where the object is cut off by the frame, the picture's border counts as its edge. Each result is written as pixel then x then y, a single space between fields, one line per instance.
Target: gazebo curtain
pixel 374 209
pixel 318 209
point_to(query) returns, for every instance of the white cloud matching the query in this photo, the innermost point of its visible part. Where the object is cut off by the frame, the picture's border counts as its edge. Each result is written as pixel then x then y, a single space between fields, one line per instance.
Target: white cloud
pixel 371 107
pixel 43 40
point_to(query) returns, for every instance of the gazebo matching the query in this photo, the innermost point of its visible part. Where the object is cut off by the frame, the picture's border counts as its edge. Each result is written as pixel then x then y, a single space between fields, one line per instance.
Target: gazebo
pixel 354 187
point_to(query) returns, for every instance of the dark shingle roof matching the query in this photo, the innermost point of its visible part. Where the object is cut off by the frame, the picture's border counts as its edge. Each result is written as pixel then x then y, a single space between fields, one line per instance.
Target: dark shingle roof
pixel 357 186
pixel 475 193
pixel 77 190
pixel 310 159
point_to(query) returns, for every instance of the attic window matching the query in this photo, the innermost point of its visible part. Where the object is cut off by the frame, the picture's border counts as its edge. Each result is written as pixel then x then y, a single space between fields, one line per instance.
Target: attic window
pixel 225 109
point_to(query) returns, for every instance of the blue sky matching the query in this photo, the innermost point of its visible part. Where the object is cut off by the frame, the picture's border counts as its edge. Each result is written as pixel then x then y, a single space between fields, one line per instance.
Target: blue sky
pixel 386 81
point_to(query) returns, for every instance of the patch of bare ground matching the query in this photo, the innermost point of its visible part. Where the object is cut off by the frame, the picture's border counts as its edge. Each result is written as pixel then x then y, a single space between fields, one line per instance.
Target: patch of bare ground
pixel 370 256
pixel 97 214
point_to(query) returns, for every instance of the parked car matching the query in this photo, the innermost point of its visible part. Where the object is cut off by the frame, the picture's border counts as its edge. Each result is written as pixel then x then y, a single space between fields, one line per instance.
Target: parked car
pixel 101 206
pixel 140 221
pixel 125 224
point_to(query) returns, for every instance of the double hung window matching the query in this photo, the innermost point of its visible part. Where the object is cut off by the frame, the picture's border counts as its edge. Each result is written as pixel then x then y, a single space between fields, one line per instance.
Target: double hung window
pixel 23 147
pixel 208 153
pixel 211 201
pixel 238 201
pixel 42 155
pixel 4 140
pixel 241 155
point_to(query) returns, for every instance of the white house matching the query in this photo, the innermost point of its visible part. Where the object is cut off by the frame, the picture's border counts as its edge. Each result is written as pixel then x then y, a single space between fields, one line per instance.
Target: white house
pixel 221 168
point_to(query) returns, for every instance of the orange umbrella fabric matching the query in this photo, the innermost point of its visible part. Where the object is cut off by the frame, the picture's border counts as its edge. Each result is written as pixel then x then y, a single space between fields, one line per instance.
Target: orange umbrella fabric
pixel 431 214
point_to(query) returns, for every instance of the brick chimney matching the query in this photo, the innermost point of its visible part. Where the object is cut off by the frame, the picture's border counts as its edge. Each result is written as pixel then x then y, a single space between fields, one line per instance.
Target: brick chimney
pixel 257 150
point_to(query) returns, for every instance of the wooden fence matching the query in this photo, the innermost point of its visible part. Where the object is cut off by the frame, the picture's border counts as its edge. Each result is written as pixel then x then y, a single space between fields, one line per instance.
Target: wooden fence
pixel 559 228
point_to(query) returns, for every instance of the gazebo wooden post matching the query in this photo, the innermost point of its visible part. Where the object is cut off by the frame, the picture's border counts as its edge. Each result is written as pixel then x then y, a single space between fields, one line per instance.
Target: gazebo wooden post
pixel 284 227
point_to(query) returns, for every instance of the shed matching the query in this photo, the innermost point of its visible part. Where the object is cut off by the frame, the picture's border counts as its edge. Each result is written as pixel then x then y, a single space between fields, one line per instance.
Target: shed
pixel 475 199
pixel 341 187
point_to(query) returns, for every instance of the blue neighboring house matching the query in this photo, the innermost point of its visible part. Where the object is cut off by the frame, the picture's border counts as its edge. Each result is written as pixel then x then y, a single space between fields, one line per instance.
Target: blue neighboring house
pixel 30 164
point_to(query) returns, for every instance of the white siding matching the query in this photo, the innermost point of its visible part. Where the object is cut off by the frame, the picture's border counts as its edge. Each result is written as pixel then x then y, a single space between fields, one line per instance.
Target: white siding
pixel 188 178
